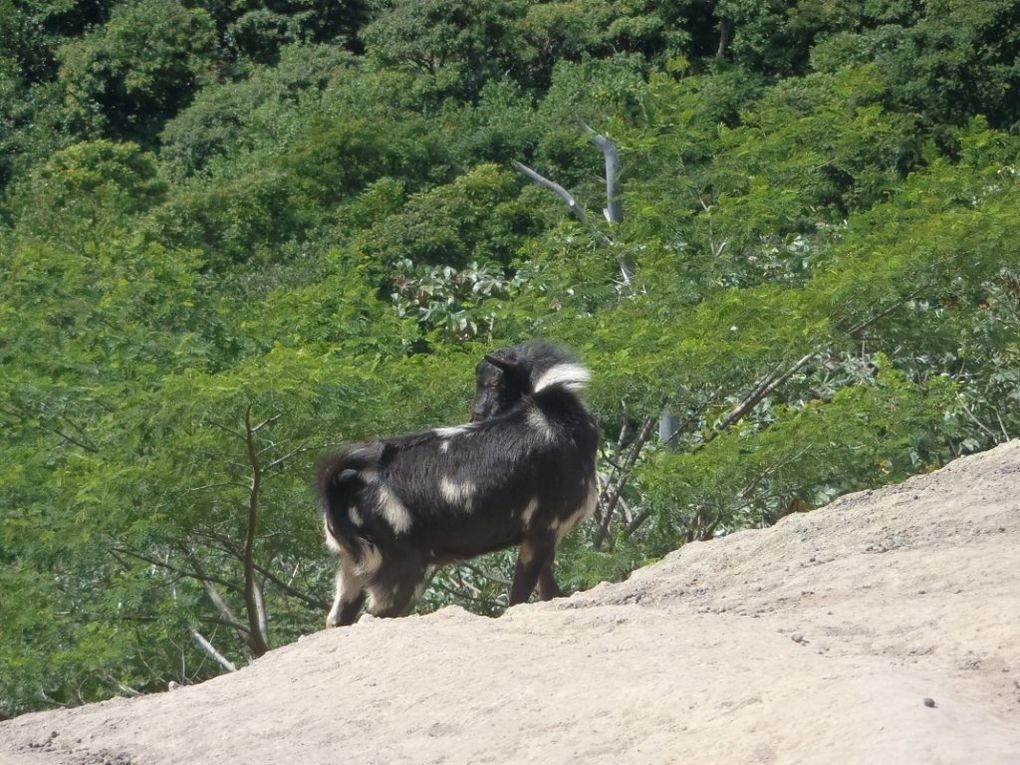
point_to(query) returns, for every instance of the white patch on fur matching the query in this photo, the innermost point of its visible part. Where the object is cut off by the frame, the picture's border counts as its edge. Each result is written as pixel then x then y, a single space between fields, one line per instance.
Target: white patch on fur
pixel 571 376
pixel 568 525
pixel 355 516
pixel 419 590
pixel 538 423
pixel 444 447
pixel 529 511
pixel 457 493
pixel 334 613
pixel 453 432
pixel 371 559
pixel 393 510
pixel 525 554
pixel 591 501
pixel 348 588
pixel 378 600
pixel 331 543
pixel 578 516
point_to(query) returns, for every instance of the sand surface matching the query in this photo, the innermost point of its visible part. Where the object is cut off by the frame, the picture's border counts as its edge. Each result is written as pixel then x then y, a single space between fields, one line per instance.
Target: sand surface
pixel 818 640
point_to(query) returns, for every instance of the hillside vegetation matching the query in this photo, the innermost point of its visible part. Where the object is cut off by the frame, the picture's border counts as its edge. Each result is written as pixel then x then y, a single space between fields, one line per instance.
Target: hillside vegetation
pixel 234 235
pixel 880 628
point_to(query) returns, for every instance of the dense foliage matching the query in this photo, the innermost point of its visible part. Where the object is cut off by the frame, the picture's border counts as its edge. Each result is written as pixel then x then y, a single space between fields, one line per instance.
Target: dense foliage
pixel 235 234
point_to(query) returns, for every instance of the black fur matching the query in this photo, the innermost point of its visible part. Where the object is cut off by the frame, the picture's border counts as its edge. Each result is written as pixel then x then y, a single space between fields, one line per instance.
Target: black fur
pixel 521 473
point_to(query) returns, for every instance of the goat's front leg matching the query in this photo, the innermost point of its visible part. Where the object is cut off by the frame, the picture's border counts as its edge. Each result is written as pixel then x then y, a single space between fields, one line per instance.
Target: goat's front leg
pixel 395 589
pixel 344 613
pixel 534 558
pixel 390 601
pixel 348 599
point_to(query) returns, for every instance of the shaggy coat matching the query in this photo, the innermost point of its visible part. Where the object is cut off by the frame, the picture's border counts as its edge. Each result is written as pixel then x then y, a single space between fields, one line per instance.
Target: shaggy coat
pixel 521 473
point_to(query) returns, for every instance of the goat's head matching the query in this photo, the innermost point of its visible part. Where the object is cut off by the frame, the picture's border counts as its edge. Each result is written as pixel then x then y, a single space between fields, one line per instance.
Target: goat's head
pixel 505 377
pixel 501 381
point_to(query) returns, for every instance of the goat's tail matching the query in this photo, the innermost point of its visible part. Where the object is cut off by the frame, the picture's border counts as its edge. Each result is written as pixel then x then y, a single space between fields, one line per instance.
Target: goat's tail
pixel 338 484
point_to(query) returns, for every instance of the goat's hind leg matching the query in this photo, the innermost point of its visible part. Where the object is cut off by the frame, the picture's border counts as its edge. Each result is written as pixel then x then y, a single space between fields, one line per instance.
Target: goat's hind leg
pixel 547 587
pixel 534 559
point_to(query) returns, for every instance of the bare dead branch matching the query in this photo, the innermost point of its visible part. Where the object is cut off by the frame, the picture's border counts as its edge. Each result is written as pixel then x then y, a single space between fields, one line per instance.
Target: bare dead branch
pixel 228 616
pixel 988 432
pixel 209 650
pixel 170 567
pixel 692 417
pixel 487 575
pixel 768 384
pixel 625 510
pixel 725 29
pixel 218 485
pixel 748 490
pixel 72 440
pixel 260 610
pixel 613 211
pixel 562 193
pixel 669 424
pixel 635 524
pixel 292 591
pixel 1002 426
pixel 84 440
pixel 292 453
pixel 125 689
pixel 864 323
pixel 267 421
pixel 576 209
pixel 80 441
pixel 224 428
pixel 623 434
pixel 227 545
pixel 53 702
pixel 632 456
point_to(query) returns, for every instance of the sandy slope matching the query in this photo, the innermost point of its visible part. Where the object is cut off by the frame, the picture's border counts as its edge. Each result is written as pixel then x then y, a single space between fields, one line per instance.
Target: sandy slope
pixel 816 641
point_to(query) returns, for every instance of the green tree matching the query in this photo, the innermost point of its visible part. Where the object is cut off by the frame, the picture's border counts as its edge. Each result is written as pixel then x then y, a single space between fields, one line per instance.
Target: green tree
pixel 87 191
pixel 125 78
pixel 229 118
pixel 460 42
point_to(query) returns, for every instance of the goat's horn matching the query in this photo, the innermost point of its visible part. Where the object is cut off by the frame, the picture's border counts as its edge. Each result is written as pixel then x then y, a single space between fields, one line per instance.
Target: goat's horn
pixel 507 365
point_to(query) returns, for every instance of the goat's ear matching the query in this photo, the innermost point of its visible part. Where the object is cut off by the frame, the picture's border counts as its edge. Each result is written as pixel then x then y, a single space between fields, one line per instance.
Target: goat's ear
pixel 510 366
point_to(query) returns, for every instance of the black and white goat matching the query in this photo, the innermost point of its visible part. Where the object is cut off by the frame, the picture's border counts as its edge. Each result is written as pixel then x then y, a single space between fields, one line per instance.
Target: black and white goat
pixel 522 472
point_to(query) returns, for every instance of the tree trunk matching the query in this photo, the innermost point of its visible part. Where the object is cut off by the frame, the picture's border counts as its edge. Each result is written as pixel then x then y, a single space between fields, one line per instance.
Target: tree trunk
pixel 257 638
